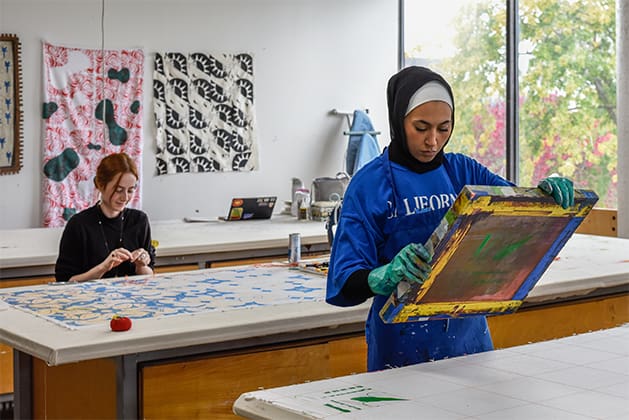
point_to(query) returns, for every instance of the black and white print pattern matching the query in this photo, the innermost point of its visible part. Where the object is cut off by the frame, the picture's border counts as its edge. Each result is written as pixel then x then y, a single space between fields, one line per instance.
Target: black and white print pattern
pixel 204 112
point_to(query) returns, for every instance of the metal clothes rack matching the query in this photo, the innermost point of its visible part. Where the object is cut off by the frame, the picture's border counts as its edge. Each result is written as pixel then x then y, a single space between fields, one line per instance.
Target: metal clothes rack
pixel 347 115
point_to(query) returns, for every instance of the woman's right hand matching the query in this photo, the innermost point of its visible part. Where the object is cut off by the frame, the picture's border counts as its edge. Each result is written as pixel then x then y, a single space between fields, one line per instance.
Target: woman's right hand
pixel 111 261
pixel 115 258
pixel 411 264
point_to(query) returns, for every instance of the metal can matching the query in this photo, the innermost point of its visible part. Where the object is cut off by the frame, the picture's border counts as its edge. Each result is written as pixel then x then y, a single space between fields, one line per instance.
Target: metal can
pixel 294 248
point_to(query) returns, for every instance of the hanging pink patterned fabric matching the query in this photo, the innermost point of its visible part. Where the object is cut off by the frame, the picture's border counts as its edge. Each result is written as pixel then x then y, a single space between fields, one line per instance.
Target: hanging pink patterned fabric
pixel 92 108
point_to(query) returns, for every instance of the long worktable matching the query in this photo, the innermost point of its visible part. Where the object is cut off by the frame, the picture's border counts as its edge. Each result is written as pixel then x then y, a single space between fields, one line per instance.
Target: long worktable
pixel 195 363
pixel 27 256
pixel 179 316
pixel 33 252
pixel 580 377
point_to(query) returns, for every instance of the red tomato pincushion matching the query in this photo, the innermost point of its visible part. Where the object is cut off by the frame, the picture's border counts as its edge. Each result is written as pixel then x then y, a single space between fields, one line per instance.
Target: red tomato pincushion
pixel 120 323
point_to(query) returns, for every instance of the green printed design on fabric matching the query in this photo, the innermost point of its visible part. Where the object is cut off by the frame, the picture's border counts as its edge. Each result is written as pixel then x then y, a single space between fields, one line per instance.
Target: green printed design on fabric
pixel 117 134
pixel 122 75
pixel 48 109
pixel 343 410
pixel 68 213
pixel 59 167
pixel 135 107
pixel 368 399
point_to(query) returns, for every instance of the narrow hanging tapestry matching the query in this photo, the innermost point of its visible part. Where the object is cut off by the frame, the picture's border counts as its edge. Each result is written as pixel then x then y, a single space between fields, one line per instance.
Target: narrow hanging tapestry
pixel 204 112
pixel 92 108
pixel 10 105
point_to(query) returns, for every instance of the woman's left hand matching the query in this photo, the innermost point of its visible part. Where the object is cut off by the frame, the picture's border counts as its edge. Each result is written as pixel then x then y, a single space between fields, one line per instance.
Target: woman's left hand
pixel 561 189
pixel 140 257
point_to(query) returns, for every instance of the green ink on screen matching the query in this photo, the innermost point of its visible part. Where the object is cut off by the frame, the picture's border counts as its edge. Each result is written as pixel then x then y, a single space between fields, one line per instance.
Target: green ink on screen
pixel 510 249
pixel 482 245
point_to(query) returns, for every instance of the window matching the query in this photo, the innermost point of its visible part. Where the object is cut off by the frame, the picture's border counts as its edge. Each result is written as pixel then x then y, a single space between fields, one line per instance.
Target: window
pixel 566 83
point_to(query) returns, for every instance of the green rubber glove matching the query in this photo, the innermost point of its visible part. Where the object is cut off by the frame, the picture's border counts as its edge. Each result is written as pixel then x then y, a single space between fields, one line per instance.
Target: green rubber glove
pixel 561 189
pixel 410 264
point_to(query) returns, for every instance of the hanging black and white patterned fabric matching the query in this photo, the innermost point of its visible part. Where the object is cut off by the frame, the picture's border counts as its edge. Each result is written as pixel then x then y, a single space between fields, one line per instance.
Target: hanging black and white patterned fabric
pixel 204 112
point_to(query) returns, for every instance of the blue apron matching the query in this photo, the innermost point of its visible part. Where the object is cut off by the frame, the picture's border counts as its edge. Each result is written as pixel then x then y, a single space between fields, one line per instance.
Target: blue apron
pixel 395 345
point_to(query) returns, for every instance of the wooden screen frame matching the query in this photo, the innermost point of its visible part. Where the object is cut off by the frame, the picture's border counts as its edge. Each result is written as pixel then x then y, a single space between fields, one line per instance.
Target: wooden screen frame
pixel 467 277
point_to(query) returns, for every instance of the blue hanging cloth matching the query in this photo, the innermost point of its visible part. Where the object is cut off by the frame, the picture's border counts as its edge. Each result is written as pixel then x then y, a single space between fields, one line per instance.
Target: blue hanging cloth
pixel 362 146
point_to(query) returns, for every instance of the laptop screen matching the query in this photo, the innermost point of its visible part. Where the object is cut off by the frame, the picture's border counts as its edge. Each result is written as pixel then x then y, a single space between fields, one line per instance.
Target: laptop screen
pixel 249 208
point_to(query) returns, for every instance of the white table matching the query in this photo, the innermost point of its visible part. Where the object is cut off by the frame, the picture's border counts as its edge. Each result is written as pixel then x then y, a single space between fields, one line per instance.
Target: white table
pixel 579 377
pixel 244 316
pixel 33 252
pixel 586 266
pixel 283 310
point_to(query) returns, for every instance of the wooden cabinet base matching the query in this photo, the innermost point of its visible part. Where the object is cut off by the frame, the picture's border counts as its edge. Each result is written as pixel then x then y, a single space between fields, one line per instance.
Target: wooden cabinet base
pixel 207 388
pixel 6 369
pixel 530 325
pixel 6 352
pixel 83 390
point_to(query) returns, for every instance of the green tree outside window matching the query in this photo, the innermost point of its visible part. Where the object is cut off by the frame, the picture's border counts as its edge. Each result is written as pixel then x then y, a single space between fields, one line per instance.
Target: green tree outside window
pixel 567 87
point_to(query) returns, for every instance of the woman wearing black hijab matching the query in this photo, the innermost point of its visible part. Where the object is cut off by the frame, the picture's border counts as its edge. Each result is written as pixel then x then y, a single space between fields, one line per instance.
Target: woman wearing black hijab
pixel 392 205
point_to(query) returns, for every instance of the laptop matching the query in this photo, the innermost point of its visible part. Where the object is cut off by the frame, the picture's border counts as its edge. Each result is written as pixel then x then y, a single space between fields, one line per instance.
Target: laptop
pixel 250 208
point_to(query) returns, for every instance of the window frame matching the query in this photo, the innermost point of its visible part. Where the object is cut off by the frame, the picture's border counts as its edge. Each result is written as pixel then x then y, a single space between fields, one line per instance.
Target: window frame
pixel 512 154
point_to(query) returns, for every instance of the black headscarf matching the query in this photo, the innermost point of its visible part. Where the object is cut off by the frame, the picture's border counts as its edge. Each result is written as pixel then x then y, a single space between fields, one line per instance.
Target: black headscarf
pixel 400 89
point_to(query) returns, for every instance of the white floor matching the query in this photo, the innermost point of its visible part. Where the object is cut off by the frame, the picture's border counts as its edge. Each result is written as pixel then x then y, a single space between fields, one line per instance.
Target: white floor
pixel 579 377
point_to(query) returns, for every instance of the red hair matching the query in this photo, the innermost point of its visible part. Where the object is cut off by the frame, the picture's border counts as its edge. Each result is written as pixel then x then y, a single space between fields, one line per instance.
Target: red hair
pixel 112 167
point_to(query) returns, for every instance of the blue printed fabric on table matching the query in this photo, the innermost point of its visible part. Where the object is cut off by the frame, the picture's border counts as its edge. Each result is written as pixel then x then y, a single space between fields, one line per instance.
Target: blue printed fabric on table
pixel 84 304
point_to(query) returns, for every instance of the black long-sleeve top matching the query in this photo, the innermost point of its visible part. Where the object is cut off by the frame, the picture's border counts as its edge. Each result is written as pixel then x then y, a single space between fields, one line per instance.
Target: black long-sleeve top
pixel 89 236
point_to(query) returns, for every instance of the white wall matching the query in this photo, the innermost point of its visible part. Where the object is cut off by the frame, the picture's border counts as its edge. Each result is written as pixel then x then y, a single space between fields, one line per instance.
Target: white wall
pixel 310 56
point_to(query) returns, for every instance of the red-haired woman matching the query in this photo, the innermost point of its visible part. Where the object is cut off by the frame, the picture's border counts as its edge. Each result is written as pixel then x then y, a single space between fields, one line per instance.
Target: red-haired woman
pixel 107 239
